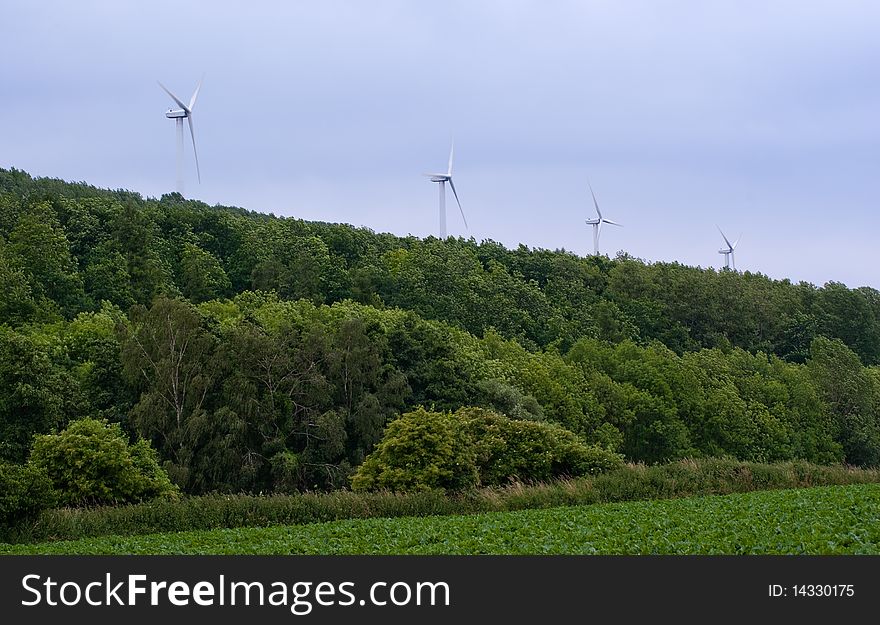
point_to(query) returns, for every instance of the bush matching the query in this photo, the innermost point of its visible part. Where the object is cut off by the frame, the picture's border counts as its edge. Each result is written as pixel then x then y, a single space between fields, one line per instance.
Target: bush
pixel 512 450
pixel 475 447
pixel 91 463
pixel 25 491
pixel 679 479
pixel 420 451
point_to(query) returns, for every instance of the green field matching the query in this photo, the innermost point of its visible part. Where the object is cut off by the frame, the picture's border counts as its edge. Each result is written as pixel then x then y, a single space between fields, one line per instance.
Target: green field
pixel 823 520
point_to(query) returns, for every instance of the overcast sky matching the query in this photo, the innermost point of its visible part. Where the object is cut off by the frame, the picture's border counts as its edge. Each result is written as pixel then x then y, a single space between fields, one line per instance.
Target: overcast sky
pixel 760 116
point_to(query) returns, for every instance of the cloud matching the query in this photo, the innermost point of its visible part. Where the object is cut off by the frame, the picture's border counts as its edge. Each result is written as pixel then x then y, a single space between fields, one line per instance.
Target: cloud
pixel 760 115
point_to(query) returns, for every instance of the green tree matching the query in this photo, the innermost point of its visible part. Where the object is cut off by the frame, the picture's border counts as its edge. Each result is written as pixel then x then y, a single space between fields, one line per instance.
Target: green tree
pixel 91 345
pixel 92 463
pixel 106 276
pixel 368 392
pixel 170 359
pixel 420 451
pixel 849 315
pixel 201 277
pixel 25 491
pixel 276 388
pixel 33 393
pixel 848 391
pixel 135 233
pixel 39 241
pixel 427 450
pixel 18 303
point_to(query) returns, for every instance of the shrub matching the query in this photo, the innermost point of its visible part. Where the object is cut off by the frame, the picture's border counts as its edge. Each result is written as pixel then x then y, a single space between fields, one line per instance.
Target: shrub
pixel 420 451
pixel 475 447
pixel 92 463
pixel 507 449
pixel 679 479
pixel 25 491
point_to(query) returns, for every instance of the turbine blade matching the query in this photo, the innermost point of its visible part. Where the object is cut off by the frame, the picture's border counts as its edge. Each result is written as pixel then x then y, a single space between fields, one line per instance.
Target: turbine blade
pixel 451 150
pixel 733 247
pixel 722 235
pixel 595 203
pixel 193 136
pixel 175 98
pixel 613 223
pixel 460 209
pixel 192 100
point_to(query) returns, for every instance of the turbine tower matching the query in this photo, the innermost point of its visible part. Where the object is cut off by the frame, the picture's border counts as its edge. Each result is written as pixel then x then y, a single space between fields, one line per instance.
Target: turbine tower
pixel 597 223
pixel 442 179
pixel 178 115
pixel 728 253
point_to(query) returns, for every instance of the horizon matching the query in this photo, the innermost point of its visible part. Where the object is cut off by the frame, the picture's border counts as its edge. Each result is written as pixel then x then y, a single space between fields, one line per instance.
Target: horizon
pixel 459 237
pixel 760 119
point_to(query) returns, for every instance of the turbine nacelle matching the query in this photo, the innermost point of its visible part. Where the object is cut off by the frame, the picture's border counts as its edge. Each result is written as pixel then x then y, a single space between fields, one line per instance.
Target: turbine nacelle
pixel 728 253
pixel 178 115
pixel 442 179
pixel 597 223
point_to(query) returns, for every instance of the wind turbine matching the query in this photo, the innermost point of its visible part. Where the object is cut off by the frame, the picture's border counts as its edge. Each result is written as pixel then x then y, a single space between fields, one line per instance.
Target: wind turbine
pixel 597 223
pixel 443 179
pixel 728 253
pixel 178 115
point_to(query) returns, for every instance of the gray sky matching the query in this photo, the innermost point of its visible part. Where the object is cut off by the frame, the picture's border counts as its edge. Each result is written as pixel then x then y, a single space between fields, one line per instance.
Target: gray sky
pixel 761 116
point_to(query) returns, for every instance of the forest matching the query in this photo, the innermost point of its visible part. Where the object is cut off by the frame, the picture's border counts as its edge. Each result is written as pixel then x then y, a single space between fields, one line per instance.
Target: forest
pixel 209 349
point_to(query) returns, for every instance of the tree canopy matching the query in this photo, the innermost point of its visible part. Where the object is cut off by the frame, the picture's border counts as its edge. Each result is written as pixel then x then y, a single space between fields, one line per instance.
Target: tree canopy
pixel 258 353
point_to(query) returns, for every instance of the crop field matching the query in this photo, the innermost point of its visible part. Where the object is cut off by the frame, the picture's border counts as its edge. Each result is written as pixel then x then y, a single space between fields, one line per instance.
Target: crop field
pixel 822 520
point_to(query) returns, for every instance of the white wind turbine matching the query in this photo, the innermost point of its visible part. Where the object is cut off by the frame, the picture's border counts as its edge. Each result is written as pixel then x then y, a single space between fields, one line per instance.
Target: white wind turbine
pixel 442 179
pixel 728 253
pixel 178 115
pixel 597 223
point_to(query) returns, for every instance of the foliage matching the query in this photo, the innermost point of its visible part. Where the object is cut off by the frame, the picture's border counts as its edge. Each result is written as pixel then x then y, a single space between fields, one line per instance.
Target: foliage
pixel 678 479
pixel 508 450
pixel 32 393
pixel 851 393
pixel 424 450
pixel 70 245
pixel 202 277
pixel 40 243
pixel 115 306
pixel 169 357
pixel 420 451
pixel 25 491
pixel 92 463
pixel 817 521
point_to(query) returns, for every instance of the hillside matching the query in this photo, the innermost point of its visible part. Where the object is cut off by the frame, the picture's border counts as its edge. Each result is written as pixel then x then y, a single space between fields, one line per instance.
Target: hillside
pixel 258 353
pixel 68 246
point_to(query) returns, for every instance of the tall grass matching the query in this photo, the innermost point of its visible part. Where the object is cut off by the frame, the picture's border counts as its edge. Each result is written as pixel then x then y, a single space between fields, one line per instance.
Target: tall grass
pixel 633 482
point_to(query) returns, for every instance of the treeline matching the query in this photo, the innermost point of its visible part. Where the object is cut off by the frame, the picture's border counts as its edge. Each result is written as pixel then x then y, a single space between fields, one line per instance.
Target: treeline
pixel 261 394
pixel 65 248
pixel 262 354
